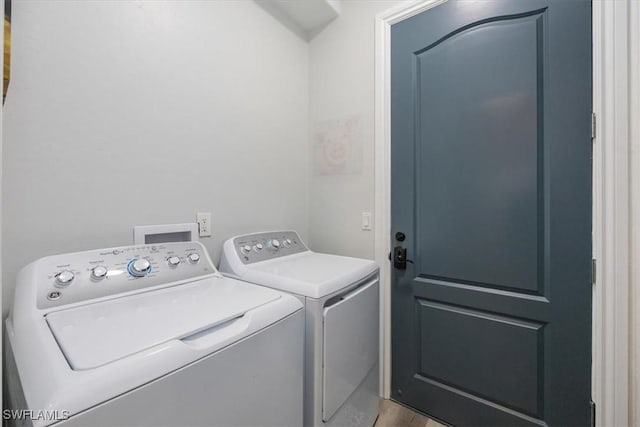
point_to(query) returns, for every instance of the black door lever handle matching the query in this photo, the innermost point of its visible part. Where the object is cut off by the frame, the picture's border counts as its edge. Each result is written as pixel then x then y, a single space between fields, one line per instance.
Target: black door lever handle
pixel 400 258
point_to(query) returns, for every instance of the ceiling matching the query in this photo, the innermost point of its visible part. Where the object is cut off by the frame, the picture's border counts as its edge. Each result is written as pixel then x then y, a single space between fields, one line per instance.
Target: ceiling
pixel 304 17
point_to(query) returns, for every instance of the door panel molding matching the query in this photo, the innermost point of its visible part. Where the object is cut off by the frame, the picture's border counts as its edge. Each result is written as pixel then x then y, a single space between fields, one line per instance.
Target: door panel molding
pixel 612 25
pixel 482 22
pixel 461 359
pixel 522 266
pixel 509 417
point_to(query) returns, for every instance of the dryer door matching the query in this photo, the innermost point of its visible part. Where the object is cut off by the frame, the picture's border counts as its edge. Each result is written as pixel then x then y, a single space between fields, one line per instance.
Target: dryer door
pixel 350 350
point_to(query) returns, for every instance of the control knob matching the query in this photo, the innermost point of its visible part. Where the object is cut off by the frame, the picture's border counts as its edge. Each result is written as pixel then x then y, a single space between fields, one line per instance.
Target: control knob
pixel 173 261
pixel 246 249
pixel 139 267
pixel 64 278
pixel 275 243
pixel 258 247
pixel 99 272
pixel 287 242
pixel 193 258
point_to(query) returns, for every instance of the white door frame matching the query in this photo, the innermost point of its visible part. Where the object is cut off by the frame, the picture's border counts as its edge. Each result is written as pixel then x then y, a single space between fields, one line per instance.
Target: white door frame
pixel 612 22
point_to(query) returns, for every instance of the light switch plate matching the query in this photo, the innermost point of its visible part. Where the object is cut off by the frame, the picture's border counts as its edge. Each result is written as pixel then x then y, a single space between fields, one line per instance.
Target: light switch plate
pixel 366 221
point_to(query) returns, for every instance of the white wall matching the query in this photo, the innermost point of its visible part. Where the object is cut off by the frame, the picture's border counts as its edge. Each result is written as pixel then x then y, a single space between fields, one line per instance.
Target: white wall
pixel 341 85
pixel 131 113
pixel 634 308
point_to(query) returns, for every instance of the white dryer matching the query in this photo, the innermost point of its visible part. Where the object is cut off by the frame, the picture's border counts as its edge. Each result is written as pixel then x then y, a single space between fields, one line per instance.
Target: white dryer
pixel 151 335
pixel 341 297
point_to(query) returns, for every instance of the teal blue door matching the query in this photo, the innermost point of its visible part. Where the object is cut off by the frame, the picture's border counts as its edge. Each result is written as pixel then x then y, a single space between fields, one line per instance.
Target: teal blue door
pixel 491 200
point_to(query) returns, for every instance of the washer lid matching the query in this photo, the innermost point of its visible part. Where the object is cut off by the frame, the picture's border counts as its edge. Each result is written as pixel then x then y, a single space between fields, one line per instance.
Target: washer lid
pixel 96 334
pixel 308 273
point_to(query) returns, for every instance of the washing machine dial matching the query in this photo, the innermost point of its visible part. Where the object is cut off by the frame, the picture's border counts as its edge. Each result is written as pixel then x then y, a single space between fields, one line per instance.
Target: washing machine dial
pixel 99 272
pixel 287 242
pixel 246 249
pixel 275 243
pixel 139 267
pixel 193 258
pixel 64 278
pixel 173 261
pixel 258 247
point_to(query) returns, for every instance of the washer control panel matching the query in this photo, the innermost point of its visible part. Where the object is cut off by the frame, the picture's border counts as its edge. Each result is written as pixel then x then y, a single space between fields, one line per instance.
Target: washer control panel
pixel 81 276
pixel 264 246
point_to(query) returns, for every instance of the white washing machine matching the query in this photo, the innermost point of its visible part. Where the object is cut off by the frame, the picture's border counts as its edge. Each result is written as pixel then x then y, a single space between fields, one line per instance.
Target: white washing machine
pixel 151 335
pixel 341 301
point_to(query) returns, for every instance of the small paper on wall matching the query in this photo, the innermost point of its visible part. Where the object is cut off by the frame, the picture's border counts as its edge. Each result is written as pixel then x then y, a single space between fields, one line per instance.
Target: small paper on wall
pixel 338 146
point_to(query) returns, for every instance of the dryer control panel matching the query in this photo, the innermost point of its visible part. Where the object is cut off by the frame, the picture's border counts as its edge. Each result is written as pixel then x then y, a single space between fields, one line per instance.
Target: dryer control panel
pixel 263 246
pixel 71 278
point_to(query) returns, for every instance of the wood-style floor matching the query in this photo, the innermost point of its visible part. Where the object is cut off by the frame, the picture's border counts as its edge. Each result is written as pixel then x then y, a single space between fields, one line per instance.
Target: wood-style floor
pixel 394 415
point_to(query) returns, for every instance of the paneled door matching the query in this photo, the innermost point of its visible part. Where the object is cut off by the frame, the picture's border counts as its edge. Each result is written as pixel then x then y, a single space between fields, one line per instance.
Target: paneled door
pixel 491 212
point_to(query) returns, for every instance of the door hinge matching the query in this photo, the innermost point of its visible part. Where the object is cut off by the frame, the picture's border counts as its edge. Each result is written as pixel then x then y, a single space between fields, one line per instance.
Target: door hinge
pixel 593 126
pixel 593 271
pixel 593 414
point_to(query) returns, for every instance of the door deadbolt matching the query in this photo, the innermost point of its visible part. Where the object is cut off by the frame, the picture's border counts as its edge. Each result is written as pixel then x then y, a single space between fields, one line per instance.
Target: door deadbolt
pixel 400 258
